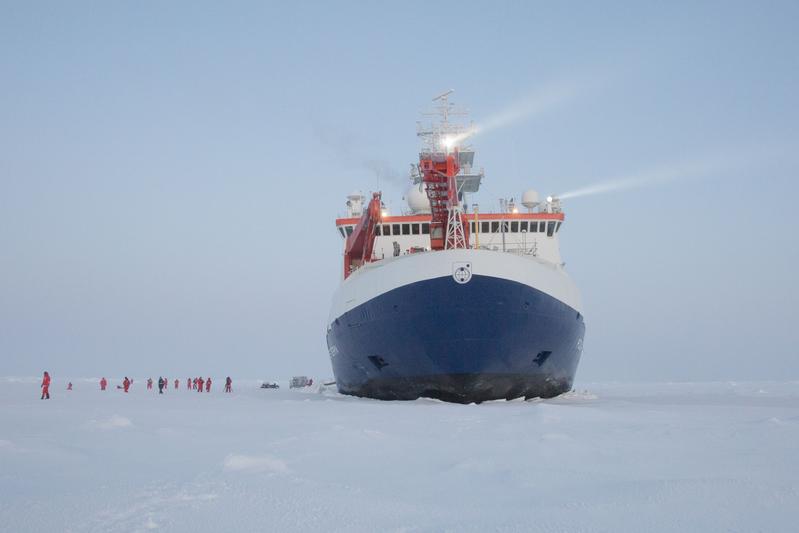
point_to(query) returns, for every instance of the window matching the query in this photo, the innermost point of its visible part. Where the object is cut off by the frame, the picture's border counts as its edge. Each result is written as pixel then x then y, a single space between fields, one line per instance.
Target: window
pixel 395 229
pixel 557 228
pixel 377 230
pixel 471 227
pixel 484 227
pixel 514 227
pixel 341 230
pixel 542 227
pixel 406 229
pixel 415 229
pixel 550 228
pixel 349 230
pixel 495 227
pixel 523 225
pixel 425 228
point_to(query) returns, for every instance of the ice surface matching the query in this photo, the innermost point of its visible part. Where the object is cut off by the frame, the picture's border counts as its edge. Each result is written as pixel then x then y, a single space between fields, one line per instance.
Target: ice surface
pixel 616 457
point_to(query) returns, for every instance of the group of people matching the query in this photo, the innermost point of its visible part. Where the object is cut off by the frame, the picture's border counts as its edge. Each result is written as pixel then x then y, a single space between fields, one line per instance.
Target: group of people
pixel 163 384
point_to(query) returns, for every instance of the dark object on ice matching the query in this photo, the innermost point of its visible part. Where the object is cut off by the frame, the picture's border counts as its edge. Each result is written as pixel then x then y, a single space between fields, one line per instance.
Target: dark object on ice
pixel 298 382
pixel 228 384
pixel 270 385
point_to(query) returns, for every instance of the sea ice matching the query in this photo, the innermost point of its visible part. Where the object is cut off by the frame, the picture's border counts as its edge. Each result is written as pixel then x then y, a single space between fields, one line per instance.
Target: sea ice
pixel 610 457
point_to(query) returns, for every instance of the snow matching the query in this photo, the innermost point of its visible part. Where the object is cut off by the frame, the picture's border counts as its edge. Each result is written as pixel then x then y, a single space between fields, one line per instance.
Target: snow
pixel 608 457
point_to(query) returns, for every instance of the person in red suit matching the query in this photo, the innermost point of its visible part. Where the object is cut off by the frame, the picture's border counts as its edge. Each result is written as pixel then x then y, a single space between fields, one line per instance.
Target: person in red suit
pixel 208 385
pixel 126 384
pixel 69 386
pixel 45 386
pixel 177 384
pixel 103 383
pixel 200 382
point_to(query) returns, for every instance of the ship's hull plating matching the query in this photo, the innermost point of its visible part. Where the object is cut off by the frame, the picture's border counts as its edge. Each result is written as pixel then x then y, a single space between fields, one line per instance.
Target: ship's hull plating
pixel 490 338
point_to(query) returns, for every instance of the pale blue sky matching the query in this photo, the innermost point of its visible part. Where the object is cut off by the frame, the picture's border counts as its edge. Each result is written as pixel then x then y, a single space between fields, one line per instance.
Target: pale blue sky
pixel 170 172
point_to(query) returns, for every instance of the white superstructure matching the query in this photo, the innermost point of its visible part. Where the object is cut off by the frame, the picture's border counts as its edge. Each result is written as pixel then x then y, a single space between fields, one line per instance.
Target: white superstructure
pixel 534 232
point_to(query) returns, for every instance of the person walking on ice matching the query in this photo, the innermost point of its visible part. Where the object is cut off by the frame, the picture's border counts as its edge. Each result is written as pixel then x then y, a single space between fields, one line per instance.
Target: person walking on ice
pixel 208 385
pixel 103 383
pixel 228 384
pixel 45 386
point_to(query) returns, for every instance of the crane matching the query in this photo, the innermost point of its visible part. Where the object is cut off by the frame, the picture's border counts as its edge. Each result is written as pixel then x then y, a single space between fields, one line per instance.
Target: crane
pixel 361 242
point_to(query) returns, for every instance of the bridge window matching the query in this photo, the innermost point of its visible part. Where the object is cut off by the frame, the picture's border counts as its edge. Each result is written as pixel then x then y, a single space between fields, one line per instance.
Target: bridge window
pixel 495 227
pixel 395 229
pixel 557 228
pixel 406 229
pixel 523 226
pixel 425 228
pixel 415 229
pixel 550 228
pixel 341 230
pixel 377 230
pixel 514 227
pixel 471 227
pixel 542 227
pixel 484 227
pixel 349 230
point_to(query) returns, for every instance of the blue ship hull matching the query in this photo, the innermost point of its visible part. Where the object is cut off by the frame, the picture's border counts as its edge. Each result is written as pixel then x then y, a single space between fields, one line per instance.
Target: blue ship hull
pixel 487 339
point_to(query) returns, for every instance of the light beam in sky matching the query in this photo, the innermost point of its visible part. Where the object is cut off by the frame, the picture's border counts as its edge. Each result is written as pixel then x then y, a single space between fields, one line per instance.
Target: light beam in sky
pixel 704 167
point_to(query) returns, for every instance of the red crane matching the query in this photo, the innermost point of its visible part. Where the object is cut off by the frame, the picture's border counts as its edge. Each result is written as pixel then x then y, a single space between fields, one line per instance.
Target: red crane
pixel 361 241
pixel 438 174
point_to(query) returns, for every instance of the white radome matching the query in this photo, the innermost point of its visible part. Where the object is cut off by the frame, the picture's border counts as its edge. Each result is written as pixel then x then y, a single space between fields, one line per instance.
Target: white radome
pixel 417 199
pixel 530 199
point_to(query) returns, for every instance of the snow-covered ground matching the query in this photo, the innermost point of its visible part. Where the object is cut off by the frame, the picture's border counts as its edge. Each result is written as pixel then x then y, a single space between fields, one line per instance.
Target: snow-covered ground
pixel 619 457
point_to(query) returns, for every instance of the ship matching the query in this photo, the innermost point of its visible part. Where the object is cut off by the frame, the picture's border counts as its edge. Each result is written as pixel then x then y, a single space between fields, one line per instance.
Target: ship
pixel 445 300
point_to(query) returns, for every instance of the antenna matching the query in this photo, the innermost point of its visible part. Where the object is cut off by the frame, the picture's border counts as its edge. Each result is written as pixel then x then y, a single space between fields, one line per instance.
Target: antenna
pixel 442 134
pixel 443 96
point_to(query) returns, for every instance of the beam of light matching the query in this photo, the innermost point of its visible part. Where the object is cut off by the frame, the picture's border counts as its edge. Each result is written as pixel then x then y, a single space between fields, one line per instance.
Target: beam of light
pixel 708 166
pixel 542 100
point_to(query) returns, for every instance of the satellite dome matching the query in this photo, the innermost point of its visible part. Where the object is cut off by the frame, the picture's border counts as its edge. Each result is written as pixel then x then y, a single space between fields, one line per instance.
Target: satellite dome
pixel 530 199
pixel 417 199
